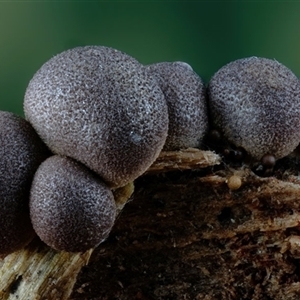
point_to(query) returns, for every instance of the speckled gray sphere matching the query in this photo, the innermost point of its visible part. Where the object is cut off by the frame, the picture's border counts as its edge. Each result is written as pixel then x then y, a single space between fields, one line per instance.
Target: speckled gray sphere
pixel 100 107
pixel 70 208
pixel 255 103
pixel 185 93
pixel 21 152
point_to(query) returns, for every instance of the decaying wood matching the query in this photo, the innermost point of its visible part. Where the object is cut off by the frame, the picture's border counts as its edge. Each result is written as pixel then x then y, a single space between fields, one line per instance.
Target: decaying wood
pixel 184 235
pixel 184 160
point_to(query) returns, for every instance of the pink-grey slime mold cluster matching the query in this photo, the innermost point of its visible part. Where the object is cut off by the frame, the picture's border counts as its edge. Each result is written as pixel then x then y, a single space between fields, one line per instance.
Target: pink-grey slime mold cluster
pixel 96 119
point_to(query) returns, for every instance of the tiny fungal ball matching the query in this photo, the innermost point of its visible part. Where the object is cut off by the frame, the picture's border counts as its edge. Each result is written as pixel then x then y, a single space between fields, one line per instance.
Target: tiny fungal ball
pixel 21 153
pixel 215 136
pixel 255 103
pixel 185 93
pixel 101 107
pixel 234 182
pixel 268 161
pixel 70 208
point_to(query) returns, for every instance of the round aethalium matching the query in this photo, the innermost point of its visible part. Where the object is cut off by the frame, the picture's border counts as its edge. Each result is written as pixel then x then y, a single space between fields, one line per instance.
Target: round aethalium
pixel 185 94
pixel 21 152
pixel 70 208
pixel 255 103
pixel 100 107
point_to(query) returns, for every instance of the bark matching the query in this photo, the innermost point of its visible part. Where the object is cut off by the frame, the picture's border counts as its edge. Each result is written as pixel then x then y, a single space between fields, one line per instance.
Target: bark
pixel 184 234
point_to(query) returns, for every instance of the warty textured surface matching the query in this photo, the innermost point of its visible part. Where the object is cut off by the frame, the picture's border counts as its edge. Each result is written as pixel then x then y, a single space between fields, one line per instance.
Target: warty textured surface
pixel 100 107
pixel 255 103
pixel 21 152
pixel 70 208
pixel 185 94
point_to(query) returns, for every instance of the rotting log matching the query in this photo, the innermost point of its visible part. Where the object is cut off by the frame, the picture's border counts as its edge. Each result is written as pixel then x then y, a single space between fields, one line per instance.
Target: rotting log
pixel 186 235
pixel 183 235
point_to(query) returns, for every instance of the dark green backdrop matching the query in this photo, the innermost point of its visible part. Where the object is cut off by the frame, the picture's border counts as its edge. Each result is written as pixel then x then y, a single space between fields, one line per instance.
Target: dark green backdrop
pixel 207 35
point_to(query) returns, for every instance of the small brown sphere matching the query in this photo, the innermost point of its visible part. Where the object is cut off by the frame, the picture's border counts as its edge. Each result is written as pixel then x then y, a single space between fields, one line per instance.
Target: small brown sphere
pixel 21 153
pixel 70 208
pixel 268 161
pixel 185 94
pixel 234 182
pixel 100 107
pixel 255 103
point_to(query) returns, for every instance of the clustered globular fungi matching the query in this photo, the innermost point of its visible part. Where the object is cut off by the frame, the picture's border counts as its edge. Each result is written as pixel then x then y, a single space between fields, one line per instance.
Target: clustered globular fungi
pixel 101 107
pixel 21 152
pixel 185 94
pixel 71 208
pixel 96 119
pixel 255 104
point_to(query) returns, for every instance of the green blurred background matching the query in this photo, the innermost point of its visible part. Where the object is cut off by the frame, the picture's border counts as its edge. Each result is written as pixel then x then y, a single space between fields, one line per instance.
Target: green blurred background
pixel 206 35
